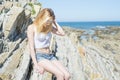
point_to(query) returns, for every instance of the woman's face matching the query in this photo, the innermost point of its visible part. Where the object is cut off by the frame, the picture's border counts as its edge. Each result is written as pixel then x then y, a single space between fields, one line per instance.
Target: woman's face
pixel 48 22
pixel 48 25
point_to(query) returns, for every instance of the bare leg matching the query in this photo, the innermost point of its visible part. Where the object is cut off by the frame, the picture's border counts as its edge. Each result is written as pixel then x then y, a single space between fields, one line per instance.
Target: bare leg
pixel 50 67
pixel 62 68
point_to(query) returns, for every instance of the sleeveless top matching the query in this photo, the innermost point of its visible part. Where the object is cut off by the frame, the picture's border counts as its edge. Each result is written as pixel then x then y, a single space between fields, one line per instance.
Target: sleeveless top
pixel 42 40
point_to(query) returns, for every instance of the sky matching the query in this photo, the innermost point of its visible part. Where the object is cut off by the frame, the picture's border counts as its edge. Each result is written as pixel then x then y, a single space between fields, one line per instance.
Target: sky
pixel 84 10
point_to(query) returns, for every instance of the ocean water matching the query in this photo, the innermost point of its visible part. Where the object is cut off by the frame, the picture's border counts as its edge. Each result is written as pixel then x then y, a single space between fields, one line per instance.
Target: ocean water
pixel 90 25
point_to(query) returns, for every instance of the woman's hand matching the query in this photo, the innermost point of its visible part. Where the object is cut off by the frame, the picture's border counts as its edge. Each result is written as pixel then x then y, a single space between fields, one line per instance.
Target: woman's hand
pixel 57 29
pixel 39 69
pixel 54 22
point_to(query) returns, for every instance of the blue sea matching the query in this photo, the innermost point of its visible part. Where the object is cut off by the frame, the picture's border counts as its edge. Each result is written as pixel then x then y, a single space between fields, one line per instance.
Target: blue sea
pixel 90 25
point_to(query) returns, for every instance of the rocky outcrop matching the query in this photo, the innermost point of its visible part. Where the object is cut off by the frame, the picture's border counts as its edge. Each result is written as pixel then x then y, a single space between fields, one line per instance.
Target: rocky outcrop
pixel 22 71
pixel 93 60
pixel 14 54
pixel 12 27
pixel 68 54
pixel 10 61
pixel 98 56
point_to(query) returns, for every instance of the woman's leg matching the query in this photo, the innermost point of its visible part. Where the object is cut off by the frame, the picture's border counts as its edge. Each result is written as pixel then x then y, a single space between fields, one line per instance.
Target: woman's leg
pixel 62 68
pixel 50 67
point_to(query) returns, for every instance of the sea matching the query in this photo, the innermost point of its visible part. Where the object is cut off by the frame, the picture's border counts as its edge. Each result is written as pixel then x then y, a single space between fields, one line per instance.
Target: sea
pixel 91 25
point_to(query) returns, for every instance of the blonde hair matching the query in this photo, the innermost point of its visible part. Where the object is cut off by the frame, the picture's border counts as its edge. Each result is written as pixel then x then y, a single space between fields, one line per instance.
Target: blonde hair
pixel 40 21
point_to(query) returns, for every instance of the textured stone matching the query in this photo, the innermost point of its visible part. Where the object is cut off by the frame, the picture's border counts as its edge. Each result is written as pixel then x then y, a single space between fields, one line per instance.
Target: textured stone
pixel 13 22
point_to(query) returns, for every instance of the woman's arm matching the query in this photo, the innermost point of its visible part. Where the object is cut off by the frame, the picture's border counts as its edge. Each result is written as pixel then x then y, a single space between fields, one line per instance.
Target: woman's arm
pixel 57 29
pixel 30 34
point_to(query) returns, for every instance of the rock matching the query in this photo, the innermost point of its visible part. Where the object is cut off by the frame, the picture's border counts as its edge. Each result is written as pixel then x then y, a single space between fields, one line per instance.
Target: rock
pixel 1 1
pixel 6 54
pixel 1 21
pixel 1 46
pixel 37 9
pixel 23 68
pixel 68 31
pixel 12 28
pixel 1 8
pixel 7 6
pixel 99 58
pixel 69 56
pixel 11 62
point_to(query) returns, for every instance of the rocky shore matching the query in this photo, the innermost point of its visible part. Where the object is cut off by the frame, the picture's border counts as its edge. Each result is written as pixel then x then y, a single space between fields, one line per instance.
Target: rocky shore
pixel 99 53
pixel 87 56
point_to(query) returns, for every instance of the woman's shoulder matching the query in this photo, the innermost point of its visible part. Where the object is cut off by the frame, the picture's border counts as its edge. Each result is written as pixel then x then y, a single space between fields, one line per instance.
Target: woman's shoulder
pixel 31 28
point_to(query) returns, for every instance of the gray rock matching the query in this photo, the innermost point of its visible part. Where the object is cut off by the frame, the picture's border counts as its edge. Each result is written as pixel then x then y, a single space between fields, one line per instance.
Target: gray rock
pixel 22 71
pixel 1 1
pixel 69 56
pixel 12 28
pixel 1 21
pixel 1 45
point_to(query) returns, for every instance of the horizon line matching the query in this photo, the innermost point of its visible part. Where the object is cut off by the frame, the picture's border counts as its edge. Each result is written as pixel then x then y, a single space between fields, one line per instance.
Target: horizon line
pixel 88 21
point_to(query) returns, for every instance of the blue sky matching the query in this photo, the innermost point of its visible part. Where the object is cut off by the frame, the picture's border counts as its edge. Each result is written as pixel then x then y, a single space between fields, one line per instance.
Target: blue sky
pixel 84 10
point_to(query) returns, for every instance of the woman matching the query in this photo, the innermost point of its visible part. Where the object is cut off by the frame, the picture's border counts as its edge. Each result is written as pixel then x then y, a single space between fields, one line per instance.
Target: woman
pixel 39 36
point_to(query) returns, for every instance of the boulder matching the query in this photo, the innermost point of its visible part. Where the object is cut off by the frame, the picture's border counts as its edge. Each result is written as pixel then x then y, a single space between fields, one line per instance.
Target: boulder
pixel 13 22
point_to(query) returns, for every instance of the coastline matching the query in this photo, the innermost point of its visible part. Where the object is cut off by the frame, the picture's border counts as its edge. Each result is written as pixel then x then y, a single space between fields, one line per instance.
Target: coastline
pixel 97 57
pixel 89 25
pixel 95 35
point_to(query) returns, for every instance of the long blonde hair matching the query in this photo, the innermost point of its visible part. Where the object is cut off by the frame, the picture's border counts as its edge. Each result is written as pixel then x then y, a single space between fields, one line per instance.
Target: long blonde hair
pixel 40 21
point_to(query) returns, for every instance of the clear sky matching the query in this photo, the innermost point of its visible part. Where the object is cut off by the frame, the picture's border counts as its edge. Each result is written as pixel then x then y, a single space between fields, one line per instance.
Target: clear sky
pixel 84 10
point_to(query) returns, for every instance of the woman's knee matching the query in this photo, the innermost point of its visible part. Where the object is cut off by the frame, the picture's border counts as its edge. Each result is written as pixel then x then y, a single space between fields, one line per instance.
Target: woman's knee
pixel 60 74
pixel 67 76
